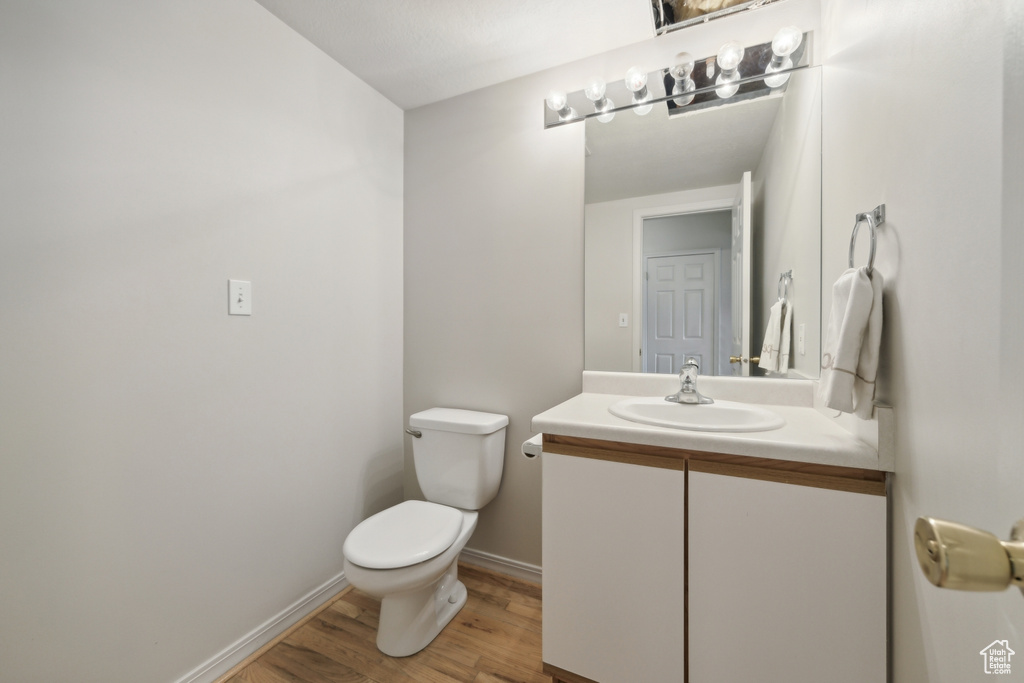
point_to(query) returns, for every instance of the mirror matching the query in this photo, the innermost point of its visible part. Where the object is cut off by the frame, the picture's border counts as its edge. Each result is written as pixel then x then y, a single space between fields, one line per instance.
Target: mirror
pixel 665 195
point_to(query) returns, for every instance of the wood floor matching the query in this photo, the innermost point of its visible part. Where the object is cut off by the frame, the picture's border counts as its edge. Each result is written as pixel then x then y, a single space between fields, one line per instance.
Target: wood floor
pixel 494 639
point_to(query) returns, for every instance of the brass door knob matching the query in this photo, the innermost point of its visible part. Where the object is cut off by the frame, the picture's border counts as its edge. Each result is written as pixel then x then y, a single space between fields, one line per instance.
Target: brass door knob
pixel 741 359
pixel 963 558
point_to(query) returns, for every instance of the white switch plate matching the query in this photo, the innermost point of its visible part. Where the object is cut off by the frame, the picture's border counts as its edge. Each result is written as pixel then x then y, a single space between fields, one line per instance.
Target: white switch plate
pixel 623 319
pixel 239 297
pixel 801 333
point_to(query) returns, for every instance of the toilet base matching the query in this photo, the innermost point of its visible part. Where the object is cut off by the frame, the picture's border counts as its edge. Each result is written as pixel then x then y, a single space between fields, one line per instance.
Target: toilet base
pixel 410 620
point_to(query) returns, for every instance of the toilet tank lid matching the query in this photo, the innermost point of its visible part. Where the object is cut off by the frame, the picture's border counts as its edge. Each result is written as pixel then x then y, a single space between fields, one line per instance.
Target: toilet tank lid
pixel 457 420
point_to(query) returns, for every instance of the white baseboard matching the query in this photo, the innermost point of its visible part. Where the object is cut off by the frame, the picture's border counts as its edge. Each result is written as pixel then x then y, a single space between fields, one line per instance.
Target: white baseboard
pixel 502 565
pixel 223 661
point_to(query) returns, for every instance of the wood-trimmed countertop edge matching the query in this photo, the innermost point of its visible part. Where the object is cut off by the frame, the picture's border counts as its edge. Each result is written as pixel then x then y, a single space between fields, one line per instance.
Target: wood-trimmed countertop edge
pixel 833 477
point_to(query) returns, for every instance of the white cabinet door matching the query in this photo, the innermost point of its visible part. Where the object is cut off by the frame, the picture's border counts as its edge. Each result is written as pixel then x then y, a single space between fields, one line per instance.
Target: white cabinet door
pixel 613 569
pixel 787 583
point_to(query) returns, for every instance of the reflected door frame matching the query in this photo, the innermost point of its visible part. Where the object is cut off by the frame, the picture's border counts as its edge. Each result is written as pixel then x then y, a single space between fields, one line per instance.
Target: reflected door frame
pixel 705 361
pixel 639 215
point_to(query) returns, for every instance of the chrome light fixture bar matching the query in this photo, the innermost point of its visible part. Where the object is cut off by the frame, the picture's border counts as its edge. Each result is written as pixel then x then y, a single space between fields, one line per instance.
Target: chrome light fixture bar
pixel 733 75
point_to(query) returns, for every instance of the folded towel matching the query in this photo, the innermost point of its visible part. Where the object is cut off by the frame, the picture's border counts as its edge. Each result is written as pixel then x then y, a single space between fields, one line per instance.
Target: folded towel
pixel 787 326
pixel 772 338
pixel 849 363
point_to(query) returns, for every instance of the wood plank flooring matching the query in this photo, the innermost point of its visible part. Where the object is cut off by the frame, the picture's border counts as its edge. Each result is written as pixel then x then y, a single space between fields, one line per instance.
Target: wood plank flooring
pixel 496 638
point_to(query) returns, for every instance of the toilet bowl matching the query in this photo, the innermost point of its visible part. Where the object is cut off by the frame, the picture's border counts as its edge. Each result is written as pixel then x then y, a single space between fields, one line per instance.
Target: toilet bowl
pixel 417 600
pixel 407 555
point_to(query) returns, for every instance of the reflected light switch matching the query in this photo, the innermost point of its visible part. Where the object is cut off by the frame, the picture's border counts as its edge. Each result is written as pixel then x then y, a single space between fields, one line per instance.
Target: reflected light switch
pixel 239 297
pixel 623 319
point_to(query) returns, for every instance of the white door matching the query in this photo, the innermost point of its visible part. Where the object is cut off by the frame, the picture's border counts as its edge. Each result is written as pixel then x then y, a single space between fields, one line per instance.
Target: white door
pixel 682 300
pixel 741 271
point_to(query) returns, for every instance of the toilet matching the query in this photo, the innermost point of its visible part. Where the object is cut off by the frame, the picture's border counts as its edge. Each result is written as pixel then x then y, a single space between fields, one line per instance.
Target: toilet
pixel 408 554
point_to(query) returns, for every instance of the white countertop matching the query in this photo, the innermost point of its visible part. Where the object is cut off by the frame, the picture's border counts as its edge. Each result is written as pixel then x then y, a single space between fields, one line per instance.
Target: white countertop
pixel 808 435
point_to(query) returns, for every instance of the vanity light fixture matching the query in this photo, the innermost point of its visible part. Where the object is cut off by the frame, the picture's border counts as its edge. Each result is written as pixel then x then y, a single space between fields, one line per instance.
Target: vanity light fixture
pixel 786 41
pixel 736 73
pixel 636 82
pixel 558 102
pixel 683 84
pixel 729 57
pixel 595 92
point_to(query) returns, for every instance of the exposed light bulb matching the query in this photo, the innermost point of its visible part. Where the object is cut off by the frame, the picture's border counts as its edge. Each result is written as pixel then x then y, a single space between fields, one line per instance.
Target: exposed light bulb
pixel 729 57
pixel 680 73
pixel 558 102
pixel 595 93
pixel 595 90
pixel 786 41
pixel 683 67
pixel 636 81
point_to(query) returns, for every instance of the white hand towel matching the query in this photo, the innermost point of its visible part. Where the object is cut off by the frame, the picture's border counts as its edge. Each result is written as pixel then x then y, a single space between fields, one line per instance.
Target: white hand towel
pixel 850 359
pixel 772 339
pixel 784 344
pixel 867 364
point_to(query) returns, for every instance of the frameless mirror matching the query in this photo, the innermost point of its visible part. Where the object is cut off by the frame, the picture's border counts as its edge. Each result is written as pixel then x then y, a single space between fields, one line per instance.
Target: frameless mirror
pixel 691 222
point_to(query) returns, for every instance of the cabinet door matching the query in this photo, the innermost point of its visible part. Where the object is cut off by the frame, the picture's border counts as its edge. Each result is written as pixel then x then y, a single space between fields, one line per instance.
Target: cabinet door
pixel 787 583
pixel 613 569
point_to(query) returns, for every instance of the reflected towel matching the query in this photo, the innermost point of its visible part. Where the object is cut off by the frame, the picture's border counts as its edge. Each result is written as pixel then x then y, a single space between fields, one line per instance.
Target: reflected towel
pixel 772 338
pixel 849 363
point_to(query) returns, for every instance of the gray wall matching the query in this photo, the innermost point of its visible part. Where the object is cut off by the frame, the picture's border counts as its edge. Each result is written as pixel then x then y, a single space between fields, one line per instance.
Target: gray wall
pixel 171 477
pixel 493 281
pixel 951 259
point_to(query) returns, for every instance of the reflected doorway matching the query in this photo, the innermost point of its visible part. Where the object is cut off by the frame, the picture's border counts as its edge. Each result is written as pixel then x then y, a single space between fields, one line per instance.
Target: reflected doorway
pixel 687 292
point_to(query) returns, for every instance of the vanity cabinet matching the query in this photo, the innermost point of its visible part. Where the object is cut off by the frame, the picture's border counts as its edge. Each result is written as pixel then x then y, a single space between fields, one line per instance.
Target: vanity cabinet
pixel 614 557
pixel 787 582
pixel 667 565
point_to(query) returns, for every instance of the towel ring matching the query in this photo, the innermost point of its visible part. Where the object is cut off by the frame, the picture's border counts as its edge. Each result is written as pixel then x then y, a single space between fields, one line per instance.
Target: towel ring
pixel 873 219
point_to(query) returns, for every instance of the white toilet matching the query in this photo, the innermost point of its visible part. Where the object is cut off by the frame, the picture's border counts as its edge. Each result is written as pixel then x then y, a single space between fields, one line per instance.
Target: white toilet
pixel 408 554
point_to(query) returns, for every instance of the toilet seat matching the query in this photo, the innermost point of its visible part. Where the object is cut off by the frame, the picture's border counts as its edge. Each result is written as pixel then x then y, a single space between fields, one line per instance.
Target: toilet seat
pixel 406 534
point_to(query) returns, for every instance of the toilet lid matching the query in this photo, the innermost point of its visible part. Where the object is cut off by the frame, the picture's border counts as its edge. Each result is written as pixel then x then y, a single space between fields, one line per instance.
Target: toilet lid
pixel 403 535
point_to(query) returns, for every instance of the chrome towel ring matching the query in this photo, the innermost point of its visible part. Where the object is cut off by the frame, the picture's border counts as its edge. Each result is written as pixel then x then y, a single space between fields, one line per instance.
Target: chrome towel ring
pixel 873 219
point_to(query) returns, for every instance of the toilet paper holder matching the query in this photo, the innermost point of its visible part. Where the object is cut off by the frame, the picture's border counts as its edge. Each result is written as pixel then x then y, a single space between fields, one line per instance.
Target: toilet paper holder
pixel 961 557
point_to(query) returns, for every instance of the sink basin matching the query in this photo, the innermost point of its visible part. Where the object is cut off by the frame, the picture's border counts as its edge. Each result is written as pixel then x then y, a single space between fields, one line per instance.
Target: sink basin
pixel 720 416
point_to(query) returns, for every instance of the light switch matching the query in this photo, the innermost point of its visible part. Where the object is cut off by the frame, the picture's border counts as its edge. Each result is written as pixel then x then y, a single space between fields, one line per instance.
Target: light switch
pixel 239 297
pixel 623 319
pixel 801 333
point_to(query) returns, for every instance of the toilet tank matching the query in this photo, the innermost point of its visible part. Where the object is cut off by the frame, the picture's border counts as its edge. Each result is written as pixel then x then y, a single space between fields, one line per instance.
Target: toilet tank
pixel 460 455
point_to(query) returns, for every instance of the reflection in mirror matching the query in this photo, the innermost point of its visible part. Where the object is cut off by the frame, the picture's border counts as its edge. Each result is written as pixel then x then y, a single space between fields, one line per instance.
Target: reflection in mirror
pixel 671 15
pixel 690 222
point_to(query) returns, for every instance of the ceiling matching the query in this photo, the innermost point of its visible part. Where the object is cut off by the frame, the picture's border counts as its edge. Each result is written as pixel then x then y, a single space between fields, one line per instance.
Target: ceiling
pixel 635 156
pixel 416 53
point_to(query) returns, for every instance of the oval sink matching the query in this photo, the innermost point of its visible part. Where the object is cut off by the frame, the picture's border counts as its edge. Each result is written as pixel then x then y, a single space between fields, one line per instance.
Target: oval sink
pixel 720 416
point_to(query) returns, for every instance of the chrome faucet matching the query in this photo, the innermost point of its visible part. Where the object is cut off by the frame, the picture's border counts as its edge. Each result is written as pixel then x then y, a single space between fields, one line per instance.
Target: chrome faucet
pixel 688 391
